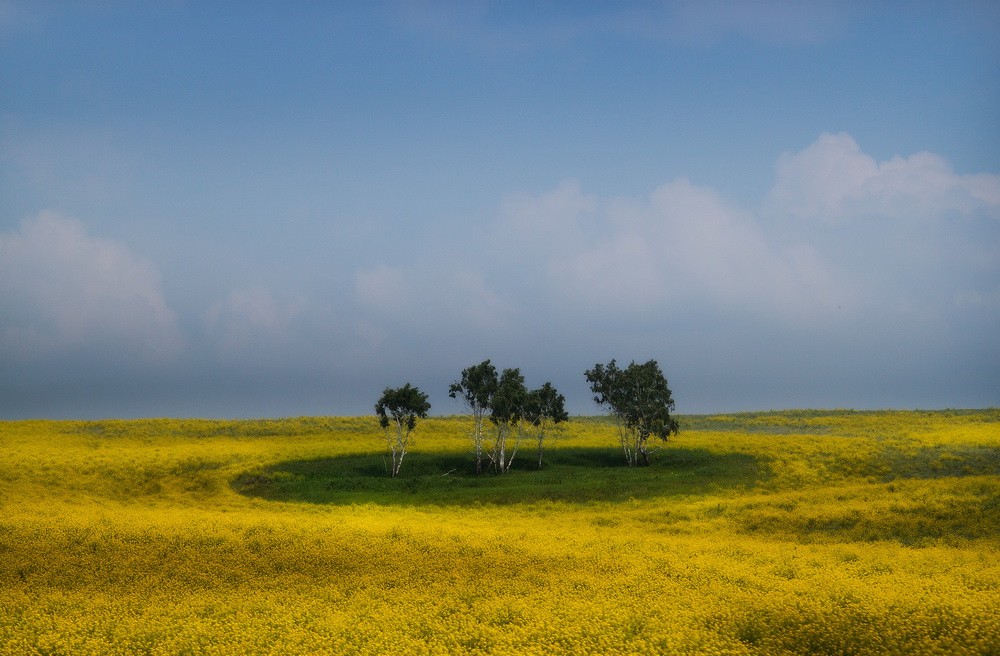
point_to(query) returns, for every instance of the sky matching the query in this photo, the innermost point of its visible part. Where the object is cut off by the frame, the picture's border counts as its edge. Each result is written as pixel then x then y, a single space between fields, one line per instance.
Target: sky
pixel 256 209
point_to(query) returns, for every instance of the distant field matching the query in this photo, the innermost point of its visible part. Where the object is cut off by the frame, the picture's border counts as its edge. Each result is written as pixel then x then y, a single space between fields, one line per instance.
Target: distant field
pixel 762 533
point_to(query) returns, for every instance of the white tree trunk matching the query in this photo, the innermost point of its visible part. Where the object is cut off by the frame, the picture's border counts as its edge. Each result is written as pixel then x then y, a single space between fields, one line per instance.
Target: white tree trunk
pixel 477 437
pixel 397 446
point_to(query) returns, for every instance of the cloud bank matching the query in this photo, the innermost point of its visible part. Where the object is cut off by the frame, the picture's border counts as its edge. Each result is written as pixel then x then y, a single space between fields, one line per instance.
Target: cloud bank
pixel 855 273
pixel 854 282
pixel 681 245
pixel 834 180
pixel 64 291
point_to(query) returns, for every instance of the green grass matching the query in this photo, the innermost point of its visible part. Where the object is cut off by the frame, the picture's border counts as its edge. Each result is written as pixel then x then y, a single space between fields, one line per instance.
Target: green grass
pixel 575 475
pixel 587 474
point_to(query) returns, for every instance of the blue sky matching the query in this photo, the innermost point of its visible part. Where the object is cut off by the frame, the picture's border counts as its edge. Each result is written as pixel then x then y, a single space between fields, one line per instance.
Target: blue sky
pixel 269 209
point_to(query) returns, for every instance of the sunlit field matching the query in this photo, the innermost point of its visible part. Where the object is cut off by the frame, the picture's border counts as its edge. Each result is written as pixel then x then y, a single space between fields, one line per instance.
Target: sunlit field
pixel 771 533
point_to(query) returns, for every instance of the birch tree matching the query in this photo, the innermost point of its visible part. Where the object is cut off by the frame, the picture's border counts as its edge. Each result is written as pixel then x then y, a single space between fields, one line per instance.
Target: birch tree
pixel 544 407
pixel 400 408
pixel 476 388
pixel 640 400
pixel 507 412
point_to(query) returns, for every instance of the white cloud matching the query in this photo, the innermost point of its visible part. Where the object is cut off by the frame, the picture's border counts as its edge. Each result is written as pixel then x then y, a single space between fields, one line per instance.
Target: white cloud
pixel 684 249
pixel 909 233
pixel 682 244
pixel 385 289
pixel 456 297
pixel 62 290
pixel 555 216
pixel 252 320
pixel 832 179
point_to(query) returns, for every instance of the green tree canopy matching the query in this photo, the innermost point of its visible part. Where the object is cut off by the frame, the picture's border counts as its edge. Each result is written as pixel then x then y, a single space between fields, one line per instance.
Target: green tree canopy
pixel 640 400
pixel 507 413
pixel 542 407
pixel 476 388
pixel 400 407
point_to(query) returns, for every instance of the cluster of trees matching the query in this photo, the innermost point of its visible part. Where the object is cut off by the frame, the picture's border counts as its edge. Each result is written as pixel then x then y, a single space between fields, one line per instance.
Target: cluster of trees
pixel 502 409
pixel 510 407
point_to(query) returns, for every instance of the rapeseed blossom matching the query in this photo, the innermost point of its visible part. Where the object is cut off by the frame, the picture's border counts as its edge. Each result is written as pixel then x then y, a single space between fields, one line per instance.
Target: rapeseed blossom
pixel 862 533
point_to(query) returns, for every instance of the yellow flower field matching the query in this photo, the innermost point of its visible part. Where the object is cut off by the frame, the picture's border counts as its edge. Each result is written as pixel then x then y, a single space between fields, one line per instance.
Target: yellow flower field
pixel 848 533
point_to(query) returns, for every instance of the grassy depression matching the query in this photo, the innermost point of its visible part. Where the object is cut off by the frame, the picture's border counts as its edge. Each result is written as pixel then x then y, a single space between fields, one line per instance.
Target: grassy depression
pixel 575 475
